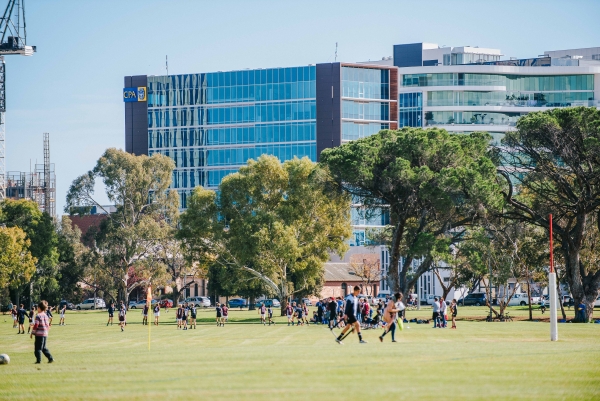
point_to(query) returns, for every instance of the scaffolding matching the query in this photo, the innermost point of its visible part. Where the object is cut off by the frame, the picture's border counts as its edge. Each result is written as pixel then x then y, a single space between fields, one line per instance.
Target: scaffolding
pixel 38 185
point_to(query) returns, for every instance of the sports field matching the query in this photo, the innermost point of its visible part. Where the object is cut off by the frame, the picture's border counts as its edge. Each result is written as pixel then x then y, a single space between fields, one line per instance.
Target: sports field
pixel 247 361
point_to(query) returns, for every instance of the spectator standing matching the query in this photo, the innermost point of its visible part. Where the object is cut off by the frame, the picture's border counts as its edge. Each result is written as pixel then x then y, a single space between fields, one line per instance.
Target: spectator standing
pixel 436 313
pixel 41 328
pixel 21 313
pixel 443 316
pixel 122 314
pixel 454 312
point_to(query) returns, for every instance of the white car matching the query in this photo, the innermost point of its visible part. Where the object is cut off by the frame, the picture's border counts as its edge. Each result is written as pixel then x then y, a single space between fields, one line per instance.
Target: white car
pixel 597 303
pixel 200 302
pixel 518 300
pixel 89 304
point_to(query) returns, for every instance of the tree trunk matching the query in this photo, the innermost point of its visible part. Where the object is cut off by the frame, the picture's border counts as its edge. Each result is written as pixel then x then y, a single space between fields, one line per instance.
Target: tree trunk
pixel 393 276
pixel 584 288
pixel 529 297
pixel 252 302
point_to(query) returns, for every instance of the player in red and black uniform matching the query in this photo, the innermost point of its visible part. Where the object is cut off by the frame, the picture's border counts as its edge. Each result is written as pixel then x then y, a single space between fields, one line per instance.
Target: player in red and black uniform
pixel 225 314
pixel 289 312
pixel 263 312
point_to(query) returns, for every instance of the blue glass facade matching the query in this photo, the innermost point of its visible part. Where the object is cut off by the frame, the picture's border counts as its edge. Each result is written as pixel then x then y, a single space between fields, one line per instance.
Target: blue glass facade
pixel 211 124
pixel 410 109
pixel 366 107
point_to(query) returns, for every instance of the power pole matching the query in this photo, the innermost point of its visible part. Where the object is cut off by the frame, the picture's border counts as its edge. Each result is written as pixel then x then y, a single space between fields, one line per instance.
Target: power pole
pixel 2 132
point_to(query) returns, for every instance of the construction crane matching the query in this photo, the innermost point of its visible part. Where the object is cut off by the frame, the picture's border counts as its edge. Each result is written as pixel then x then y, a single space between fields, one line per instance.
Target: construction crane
pixel 13 40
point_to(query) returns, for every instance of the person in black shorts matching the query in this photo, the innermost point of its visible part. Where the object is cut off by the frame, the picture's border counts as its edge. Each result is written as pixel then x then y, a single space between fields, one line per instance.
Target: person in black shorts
pixel 184 316
pixel 111 312
pixel 31 316
pixel 219 315
pixel 193 314
pixel 299 312
pixel 122 313
pixel 145 314
pixel 332 308
pixel 21 313
pixel 270 315
pixel 350 312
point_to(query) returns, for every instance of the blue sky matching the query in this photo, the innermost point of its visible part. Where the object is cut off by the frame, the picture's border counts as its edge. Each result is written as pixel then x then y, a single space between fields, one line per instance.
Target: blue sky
pixel 72 86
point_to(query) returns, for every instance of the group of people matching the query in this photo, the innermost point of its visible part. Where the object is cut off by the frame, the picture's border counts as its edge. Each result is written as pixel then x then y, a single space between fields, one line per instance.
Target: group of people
pixel 440 313
pixel 222 314
pixel 184 313
pixel 19 314
pixel 266 312
pixel 298 312
pixel 40 320
pixel 122 314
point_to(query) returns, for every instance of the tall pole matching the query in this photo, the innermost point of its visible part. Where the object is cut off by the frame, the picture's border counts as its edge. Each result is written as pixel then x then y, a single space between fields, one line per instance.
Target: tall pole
pixel 552 290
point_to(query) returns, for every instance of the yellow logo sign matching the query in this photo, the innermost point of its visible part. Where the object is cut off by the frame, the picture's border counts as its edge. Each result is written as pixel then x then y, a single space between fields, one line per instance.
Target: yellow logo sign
pixel 141 94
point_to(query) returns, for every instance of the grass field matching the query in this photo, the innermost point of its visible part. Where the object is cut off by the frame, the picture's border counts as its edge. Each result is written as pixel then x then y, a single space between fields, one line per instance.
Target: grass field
pixel 246 361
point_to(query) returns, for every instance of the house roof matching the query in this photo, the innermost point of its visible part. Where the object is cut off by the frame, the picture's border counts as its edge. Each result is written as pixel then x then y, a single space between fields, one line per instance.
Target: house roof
pixel 339 272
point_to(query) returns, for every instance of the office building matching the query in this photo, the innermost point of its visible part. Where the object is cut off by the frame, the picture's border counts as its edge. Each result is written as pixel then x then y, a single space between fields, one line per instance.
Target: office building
pixel 210 124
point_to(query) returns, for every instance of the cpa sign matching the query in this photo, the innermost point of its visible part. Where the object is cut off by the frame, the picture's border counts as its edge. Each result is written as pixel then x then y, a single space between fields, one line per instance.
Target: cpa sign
pixel 138 94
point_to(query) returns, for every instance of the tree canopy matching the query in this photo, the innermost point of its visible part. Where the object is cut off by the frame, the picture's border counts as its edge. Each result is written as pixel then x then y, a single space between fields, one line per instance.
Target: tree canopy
pixel 432 183
pixel 278 222
pixel 17 266
pixel 552 166
pixel 137 185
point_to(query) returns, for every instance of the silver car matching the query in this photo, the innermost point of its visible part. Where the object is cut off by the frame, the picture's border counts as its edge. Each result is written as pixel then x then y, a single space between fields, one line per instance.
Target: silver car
pixel 200 302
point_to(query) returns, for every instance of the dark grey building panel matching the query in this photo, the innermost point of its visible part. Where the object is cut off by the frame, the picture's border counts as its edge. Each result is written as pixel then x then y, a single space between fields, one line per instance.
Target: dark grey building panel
pixel 408 55
pixel 329 106
pixel 136 119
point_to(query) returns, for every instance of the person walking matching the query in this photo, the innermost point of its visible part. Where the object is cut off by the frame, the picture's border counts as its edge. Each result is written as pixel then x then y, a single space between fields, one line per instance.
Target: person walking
pixel 436 313
pixel 184 316
pixel 21 313
pixel 41 329
pixel 543 304
pixel 111 312
pixel 454 312
pixel 62 311
pixel 350 312
pixel 270 315
pixel 390 315
pixel 156 313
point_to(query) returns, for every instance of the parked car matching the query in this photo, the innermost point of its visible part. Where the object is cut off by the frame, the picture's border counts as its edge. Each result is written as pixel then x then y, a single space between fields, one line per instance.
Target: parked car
pixel 237 303
pixel 518 300
pixel 166 303
pixel 597 303
pixel 89 304
pixel 199 302
pixel 300 301
pixel 473 300
pixel 141 304
pixel 131 303
pixel 69 305
pixel 273 303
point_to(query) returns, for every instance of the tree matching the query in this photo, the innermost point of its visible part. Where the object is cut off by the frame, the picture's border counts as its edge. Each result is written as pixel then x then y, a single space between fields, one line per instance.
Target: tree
pixel 278 222
pixel 17 266
pixel 432 183
pixel 40 230
pixel 170 252
pixel 71 261
pixel 367 268
pixel 552 165
pixel 137 186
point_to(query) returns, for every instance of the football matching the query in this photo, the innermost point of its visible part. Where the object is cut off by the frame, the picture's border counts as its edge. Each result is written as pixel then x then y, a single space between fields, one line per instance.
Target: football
pixel 4 359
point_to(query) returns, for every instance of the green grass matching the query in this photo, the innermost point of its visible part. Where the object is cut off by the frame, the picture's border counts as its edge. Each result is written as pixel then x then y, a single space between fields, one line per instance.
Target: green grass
pixel 246 361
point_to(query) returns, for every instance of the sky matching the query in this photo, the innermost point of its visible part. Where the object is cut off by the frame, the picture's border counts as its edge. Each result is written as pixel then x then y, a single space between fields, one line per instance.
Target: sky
pixel 72 86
